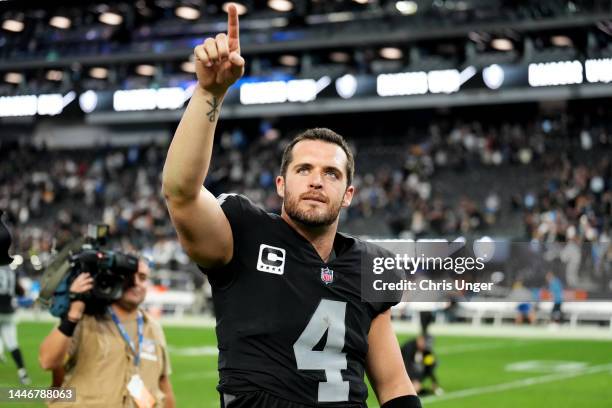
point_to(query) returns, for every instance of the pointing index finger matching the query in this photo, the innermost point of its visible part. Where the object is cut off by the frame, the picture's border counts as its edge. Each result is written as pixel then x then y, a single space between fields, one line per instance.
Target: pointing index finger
pixel 233 30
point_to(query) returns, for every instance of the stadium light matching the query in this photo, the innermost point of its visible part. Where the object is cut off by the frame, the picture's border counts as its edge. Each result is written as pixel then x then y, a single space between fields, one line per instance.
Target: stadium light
pixel 493 76
pixel 187 12
pixel 405 83
pixel 13 78
pixel 30 105
pixel 362 1
pixel 339 57
pixel 391 53
pixel 148 99
pixel 68 98
pixel 52 104
pixel 322 83
pixel 289 60
pixel 23 105
pixel 134 100
pixel 280 5
pixel 346 86
pixel 599 70
pixel 13 25
pixel 406 7
pixel 467 74
pixel 145 70
pixel 561 41
pixel 98 73
pixel 502 44
pixel 419 83
pixel 444 81
pixel 555 73
pixel 299 90
pixel 54 75
pixel 240 8
pixel 88 101
pixel 263 92
pixel 170 98
pixel 110 18
pixel 61 22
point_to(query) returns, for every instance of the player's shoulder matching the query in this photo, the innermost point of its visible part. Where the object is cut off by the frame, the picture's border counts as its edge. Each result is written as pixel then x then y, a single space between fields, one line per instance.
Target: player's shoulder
pixel 368 248
pixel 239 203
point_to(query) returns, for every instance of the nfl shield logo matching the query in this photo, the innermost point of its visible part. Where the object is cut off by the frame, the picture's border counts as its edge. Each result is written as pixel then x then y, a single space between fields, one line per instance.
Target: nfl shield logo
pixel 327 275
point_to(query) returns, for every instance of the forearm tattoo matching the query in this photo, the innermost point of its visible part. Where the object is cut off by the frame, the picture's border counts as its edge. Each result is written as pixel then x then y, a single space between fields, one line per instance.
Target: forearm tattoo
pixel 214 109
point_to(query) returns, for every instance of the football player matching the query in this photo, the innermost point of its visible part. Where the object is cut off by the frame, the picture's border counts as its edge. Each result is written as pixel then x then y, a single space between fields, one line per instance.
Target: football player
pixel 9 288
pixel 292 328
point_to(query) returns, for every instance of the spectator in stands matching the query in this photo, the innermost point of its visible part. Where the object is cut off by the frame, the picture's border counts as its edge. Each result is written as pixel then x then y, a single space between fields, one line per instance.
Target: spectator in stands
pixel 403 186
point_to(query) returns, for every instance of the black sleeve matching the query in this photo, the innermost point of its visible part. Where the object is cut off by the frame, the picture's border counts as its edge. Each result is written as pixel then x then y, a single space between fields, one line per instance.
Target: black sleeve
pixel 382 307
pixel 389 299
pixel 241 213
pixel 233 208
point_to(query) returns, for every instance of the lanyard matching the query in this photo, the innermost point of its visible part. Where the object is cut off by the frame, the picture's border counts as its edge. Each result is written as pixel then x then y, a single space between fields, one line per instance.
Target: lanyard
pixel 126 337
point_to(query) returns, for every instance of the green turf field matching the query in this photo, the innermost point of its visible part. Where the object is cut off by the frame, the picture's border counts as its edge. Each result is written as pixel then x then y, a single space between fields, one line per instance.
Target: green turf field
pixel 473 371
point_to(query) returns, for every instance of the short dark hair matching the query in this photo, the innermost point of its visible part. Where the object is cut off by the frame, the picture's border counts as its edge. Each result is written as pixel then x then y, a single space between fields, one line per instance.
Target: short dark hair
pixel 325 135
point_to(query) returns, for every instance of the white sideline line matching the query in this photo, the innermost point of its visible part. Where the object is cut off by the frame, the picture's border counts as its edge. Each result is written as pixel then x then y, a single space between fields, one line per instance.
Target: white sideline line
pixel 516 384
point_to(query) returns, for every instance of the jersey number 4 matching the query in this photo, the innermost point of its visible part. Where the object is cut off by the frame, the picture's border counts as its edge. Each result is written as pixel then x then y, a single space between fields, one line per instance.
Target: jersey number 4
pixel 329 317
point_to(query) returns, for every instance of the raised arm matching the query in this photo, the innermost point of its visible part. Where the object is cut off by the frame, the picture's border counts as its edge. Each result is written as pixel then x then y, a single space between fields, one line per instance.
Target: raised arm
pixel 200 223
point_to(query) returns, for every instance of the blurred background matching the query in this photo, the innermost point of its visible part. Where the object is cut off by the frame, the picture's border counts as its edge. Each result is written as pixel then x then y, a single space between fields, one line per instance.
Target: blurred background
pixel 469 118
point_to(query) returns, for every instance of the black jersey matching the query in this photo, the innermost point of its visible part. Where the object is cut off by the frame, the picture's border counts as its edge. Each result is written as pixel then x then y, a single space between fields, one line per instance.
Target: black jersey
pixel 289 323
pixel 8 285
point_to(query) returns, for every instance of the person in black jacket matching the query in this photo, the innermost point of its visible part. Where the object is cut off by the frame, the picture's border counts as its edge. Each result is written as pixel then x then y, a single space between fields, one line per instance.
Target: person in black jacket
pixel 421 364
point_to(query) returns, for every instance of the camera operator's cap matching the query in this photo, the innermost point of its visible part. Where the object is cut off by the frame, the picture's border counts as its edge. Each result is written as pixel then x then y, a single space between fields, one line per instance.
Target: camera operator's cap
pixel 5 242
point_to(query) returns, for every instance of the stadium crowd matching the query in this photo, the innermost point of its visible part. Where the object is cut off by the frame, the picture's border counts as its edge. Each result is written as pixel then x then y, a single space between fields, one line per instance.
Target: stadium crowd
pixel 51 195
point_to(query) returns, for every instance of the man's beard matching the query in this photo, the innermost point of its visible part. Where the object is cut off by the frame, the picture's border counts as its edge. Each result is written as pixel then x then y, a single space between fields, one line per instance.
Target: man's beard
pixel 311 217
pixel 129 304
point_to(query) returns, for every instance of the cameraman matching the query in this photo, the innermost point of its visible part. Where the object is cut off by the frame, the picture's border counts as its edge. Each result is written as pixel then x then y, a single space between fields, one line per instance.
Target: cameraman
pixel 115 359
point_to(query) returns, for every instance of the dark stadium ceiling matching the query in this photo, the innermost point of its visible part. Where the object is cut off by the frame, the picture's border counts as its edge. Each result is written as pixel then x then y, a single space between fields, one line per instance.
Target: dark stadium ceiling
pixel 75 13
pixel 44 45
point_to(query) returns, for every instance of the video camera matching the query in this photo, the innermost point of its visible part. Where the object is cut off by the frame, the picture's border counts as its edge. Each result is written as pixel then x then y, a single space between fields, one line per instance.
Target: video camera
pixel 112 273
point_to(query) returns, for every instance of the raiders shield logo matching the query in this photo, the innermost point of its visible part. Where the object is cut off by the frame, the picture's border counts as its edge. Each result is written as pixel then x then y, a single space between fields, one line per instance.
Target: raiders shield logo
pixel 327 275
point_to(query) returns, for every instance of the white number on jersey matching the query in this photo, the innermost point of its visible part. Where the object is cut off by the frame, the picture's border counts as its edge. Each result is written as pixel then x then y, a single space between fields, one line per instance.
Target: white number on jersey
pixel 329 316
